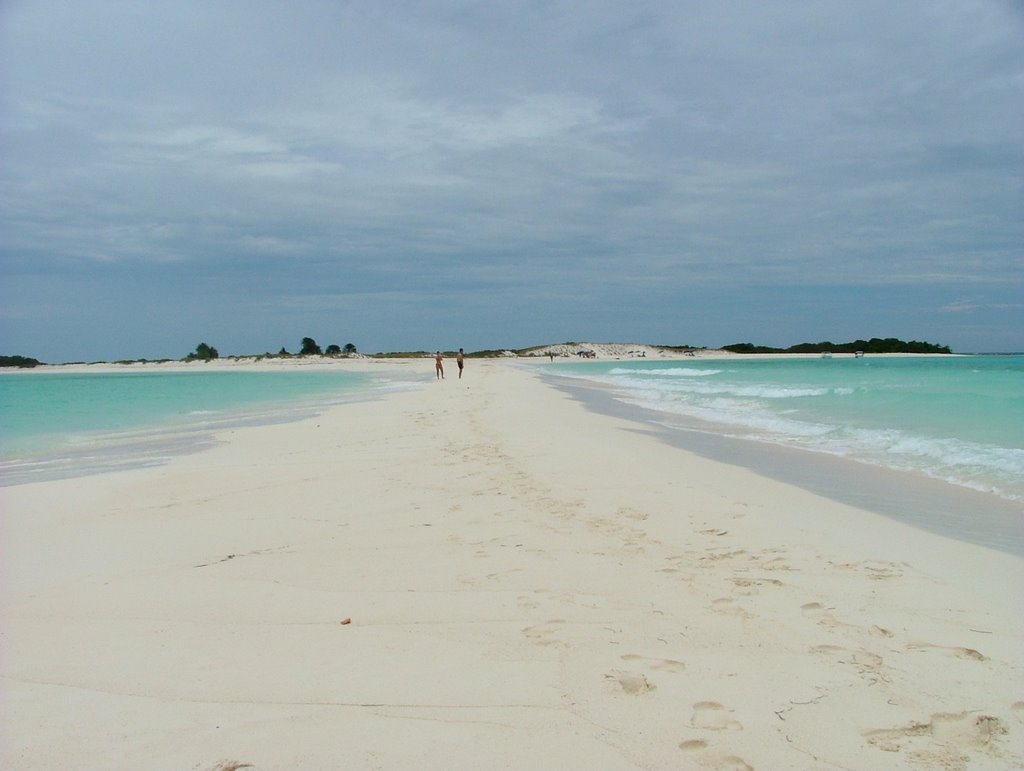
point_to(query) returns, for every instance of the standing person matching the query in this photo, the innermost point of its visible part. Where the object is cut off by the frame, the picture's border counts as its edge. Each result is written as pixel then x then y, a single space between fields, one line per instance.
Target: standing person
pixel 439 365
pixel 459 358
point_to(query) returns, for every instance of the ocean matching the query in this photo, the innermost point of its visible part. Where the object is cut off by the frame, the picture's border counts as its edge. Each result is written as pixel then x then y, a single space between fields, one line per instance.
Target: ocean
pixel 59 424
pixel 944 434
pixel 954 420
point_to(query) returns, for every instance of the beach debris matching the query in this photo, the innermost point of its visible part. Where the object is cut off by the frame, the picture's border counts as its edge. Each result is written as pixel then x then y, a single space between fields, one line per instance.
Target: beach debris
pixel 345 621
pixel 217 562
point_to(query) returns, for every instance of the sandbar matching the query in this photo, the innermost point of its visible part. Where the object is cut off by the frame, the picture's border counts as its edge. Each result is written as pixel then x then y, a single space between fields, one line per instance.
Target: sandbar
pixel 486 574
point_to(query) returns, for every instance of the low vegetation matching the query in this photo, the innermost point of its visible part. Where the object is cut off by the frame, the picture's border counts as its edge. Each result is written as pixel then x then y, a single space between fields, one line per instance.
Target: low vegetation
pixel 203 352
pixel 682 348
pixel 23 362
pixel 309 347
pixel 874 345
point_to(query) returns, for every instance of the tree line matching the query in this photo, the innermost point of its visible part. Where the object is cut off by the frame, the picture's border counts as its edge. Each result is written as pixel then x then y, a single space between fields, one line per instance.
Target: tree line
pixel 874 345
pixel 23 362
pixel 308 347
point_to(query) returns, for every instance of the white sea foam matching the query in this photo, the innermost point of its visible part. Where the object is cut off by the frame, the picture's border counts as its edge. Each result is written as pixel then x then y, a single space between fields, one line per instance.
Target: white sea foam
pixel 672 372
pixel 632 379
pixel 905 415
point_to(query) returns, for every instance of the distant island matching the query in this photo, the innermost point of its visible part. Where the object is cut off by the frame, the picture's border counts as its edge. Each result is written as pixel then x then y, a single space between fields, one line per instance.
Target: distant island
pixel 205 353
pixel 874 345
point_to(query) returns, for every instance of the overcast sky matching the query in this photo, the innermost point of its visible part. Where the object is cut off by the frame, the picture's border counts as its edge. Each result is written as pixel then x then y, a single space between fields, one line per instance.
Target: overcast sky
pixel 408 176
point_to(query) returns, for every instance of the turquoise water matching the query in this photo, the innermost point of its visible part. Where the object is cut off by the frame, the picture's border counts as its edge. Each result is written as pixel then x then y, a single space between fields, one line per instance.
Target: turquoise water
pixel 55 424
pixel 958 419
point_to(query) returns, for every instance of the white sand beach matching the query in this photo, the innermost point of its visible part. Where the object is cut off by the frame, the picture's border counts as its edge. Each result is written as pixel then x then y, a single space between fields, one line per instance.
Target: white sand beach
pixel 482 574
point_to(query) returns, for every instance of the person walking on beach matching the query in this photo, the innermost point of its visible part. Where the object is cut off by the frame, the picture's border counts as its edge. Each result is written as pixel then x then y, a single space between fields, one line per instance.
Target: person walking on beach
pixel 459 358
pixel 439 366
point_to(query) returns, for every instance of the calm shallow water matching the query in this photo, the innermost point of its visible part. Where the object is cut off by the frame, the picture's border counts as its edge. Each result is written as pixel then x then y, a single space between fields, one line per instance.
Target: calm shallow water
pixel 59 424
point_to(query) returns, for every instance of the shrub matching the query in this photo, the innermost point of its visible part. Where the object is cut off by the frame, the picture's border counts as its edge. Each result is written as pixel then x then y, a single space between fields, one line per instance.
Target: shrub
pixel 310 348
pixel 18 361
pixel 203 352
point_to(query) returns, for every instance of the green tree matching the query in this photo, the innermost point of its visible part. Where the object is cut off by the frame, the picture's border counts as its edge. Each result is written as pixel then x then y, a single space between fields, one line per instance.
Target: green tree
pixel 333 350
pixel 19 361
pixel 309 347
pixel 203 352
pixel 349 348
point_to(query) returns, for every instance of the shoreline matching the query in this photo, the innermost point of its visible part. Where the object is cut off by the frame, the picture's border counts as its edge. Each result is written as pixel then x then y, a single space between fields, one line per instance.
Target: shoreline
pixel 605 352
pixel 923 502
pixel 484 573
pixel 160 438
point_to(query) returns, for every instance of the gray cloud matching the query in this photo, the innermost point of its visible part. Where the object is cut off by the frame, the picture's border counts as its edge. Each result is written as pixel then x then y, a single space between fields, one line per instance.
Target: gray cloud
pixel 579 166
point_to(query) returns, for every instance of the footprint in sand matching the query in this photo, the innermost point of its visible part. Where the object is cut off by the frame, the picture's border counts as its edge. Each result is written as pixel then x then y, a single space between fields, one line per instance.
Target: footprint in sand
pixel 714 717
pixel 633 547
pixel 631 682
pixel 750 586
pixel 699 747
pixel 719 555
pixel 544 634
pixel 677 563
pixel 668 665
pixel 874 570
pixel 776 563
pixel 865 662
pixel 728 606
pixel 949 650
pixel 951 731
pixel 728 763
pixel 819 613
pixel 824 617
pixel 631 513
pixel 502 574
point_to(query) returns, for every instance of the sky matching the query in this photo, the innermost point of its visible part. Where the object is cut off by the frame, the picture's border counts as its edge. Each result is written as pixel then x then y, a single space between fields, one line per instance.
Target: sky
pixel 433 175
